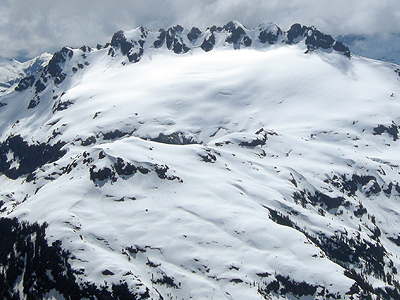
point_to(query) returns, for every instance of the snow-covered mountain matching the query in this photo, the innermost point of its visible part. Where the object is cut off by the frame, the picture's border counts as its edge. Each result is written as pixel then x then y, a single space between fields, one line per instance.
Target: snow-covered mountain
pixel 12 71
pixel 381 46
pixel 155 168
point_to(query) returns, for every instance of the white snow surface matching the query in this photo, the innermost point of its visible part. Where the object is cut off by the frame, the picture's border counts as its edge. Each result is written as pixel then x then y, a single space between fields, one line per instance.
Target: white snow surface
pixel 209 229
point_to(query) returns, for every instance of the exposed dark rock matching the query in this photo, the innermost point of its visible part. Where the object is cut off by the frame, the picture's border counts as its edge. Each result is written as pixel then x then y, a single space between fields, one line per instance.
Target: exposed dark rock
pixel 208 44
pixel 349 251
pixel 56 64
pixel 100 175
pixel 102 154
pixel 29 157
pixel 143 170
pixel 321 199
pixel 152 264
pixel 160 40
pixel 85 48
pixel 97 113
pixel 107 272
pixel 132 49
pixel 161 171
pixel 237 35
pixel 176 138
pixel 395 240
pixel 264 274
pixel 267 36
pixel 389 188
pixel 366 290
pixel 279 218
pixel 112 135
pixel 87 159
pixel 209 157
pixel 25 83
pixel 166 280
pixel 61 105
pixel 360 211
pixel 295 33
pixel 89 141
pixel 296 288
pixel 70 167
pixel 111 52
pixel 39 86
pixel 60 78
pixel 391 130
pixel 194 34
pixel 315 39
pixel 135 249
pixel 284 285
pixel 28 261
pixel 256 142
pixel 124 168
pixel 355 183
pixel 340 47
pixel 174 40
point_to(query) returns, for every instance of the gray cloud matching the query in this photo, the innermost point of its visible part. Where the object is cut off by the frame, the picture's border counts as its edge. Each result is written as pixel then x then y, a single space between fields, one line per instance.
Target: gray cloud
pixel 28 28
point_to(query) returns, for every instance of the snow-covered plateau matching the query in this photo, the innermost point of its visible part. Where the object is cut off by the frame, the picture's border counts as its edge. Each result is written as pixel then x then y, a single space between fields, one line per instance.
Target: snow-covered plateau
pixel 224 164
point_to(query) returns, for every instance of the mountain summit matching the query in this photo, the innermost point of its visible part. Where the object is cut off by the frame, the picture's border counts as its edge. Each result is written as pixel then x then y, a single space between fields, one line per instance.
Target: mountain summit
pixel 179 40
pixel 155 168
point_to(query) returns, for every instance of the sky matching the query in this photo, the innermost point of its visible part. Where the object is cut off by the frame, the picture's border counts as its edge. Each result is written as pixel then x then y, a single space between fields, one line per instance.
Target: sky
pixel 31 27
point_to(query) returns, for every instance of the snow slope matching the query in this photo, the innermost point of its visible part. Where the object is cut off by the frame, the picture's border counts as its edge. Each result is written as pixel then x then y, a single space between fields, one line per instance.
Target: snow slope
pixel 267 172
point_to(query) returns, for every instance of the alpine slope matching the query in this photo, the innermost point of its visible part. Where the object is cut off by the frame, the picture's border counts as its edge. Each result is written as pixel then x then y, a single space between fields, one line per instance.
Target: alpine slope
pixel 229 163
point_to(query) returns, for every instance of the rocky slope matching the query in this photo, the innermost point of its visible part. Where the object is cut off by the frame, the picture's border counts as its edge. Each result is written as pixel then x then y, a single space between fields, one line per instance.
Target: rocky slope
pixel 155 168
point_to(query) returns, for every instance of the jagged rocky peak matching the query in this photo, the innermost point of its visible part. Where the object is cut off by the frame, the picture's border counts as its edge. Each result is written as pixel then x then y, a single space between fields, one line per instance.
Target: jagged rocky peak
pixel 55 66
pixel 134 43
pixel 315 39
pixel 237 35
pixel 269 33
pixel 130 42
pixel 180 40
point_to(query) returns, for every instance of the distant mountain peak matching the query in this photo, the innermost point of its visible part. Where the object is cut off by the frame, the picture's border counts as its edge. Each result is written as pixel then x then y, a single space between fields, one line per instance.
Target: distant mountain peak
pixel 12 71
pixel 380 46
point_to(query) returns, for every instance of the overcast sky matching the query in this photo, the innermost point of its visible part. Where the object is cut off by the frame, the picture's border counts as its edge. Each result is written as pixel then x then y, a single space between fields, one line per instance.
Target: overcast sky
pixel 31 27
